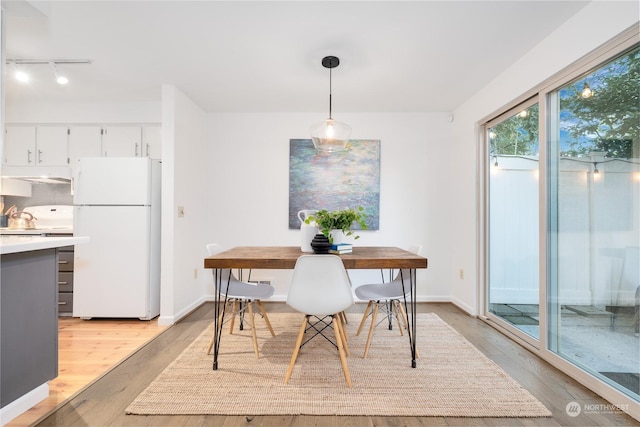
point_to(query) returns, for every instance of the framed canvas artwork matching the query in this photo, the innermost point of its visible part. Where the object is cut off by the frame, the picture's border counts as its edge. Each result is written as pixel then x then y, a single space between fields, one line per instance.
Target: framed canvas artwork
pixel 340 180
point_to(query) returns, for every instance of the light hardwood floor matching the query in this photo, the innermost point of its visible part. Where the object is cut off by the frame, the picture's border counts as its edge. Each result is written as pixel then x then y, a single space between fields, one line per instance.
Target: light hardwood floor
pixel 103 403
pixel 87 350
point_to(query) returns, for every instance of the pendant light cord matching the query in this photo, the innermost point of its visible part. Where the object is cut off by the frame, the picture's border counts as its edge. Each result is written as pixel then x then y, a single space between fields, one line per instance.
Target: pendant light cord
pixel 330 118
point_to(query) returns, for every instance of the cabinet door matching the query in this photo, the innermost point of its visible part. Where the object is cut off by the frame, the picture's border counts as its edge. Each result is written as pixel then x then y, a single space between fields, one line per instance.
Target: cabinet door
pixel 122 141
pixel 152 141
pixel 84 141
pixel 52 145
pixel 19 146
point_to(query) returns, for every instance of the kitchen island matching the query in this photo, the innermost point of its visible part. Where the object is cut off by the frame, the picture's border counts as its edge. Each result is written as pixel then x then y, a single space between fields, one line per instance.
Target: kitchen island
pixel 28 319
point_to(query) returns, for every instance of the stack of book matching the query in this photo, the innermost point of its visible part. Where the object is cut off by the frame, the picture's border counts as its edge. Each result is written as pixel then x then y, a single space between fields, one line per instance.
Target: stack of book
pixel 341 248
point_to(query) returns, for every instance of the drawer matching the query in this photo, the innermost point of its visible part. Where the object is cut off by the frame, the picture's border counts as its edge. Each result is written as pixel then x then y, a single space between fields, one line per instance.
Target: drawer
pixel 65 281
pixel 65 302
pixel 65 261
pixel 66 249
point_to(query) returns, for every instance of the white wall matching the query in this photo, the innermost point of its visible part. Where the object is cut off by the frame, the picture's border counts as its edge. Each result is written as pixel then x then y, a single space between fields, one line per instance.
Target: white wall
pixel 184 164
pixel 248 188
pixel 597 23
pixel 96 112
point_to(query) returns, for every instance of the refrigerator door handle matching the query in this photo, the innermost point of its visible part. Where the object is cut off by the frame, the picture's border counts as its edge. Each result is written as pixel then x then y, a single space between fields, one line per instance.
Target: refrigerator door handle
pixel 75 177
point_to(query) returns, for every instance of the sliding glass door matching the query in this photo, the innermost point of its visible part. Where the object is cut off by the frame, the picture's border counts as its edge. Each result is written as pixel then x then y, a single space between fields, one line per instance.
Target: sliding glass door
pixel 577 224
pixel 513 282
pixel 594 219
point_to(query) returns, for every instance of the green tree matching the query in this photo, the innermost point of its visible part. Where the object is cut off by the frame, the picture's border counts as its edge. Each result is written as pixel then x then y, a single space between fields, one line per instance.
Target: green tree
pixel 517 135
pixel 609 120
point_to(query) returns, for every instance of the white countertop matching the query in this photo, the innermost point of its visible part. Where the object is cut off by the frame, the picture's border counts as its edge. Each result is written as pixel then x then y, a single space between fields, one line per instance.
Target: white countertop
pixel 15 244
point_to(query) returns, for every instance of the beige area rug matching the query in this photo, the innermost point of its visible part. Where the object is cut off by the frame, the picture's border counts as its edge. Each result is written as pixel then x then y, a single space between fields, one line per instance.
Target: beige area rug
pixel 452 377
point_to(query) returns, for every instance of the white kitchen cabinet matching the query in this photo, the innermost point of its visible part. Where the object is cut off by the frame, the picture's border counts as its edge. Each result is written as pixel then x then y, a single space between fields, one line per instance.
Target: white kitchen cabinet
pixel 37 146
pixel 84 141
pixel 152 141
pixel 19 146
pixel 122 141
pixel 52 145
pixel 53 149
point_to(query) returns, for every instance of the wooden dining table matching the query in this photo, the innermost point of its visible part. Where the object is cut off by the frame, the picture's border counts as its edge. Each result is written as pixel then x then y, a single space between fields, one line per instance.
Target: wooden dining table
pixel 285 257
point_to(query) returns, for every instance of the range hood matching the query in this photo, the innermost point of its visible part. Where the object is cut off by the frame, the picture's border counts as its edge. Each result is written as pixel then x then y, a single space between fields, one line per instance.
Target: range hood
pixel 44 179
pixel 14 187
pixel 21 186
pixel 46 174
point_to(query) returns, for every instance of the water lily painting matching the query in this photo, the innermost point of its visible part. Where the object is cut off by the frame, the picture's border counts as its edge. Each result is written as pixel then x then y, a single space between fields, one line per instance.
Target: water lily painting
pixel 340 180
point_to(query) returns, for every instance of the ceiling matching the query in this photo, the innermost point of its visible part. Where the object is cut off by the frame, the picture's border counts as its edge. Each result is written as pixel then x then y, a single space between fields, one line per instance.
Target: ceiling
pixel 264 56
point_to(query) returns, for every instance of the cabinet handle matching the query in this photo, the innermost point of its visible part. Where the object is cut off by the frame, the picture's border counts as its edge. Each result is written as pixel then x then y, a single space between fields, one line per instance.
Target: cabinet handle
pixel 62 283
pixel 63 262
pixel 62 303
pixel 136 149
pixel 28 156
pixel 39 156
pixel 147 150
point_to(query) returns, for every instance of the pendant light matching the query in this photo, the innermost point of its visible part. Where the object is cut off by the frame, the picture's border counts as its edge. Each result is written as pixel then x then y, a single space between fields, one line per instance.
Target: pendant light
pixel 330 135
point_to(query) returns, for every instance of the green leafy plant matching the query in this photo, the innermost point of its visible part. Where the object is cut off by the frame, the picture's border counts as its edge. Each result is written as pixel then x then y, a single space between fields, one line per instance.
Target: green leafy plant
pixel 338 220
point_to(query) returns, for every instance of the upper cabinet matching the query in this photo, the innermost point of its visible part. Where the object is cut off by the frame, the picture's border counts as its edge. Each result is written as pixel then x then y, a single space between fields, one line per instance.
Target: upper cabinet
pixel 52 145
pixel 122 141
pixel 31 145
pixel 53 150
pixel 152 141
pixel 132 141
pixel 84 141
pixel 19 146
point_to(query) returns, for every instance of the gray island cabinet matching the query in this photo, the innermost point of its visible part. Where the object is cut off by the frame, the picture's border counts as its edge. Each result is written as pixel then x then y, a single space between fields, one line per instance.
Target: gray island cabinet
pixel 28 319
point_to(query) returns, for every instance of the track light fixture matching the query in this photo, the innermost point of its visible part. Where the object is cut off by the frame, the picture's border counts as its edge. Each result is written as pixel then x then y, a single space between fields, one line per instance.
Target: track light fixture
pixel 19 73
pixel 18 66
pixel 60 79
pixel 330 135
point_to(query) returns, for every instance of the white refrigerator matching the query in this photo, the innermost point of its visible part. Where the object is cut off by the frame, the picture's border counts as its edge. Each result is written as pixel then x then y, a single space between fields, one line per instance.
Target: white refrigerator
pixel 117 205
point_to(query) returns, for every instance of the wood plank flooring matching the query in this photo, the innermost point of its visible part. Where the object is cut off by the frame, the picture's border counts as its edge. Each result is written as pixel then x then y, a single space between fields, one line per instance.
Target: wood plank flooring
pixel 87 349
pixel 103 403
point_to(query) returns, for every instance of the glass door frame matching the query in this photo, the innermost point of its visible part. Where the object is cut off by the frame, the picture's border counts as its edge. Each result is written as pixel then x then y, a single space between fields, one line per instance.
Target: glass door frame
pixel 541 94
pixel 483 224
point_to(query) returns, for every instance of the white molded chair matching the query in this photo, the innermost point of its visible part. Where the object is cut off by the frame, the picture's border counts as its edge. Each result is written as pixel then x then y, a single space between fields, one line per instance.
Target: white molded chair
pixel 386 295
pixel 241 296
pixel 629 280
pixel 320 288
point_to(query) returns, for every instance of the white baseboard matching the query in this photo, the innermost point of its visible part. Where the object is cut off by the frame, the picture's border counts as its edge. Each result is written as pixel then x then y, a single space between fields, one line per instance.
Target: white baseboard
pixel 170 320
pixel 464 306
pixel 24 403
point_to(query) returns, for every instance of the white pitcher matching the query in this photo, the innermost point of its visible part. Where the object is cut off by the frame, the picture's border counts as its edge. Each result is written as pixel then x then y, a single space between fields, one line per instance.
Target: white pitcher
pixel 307 231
